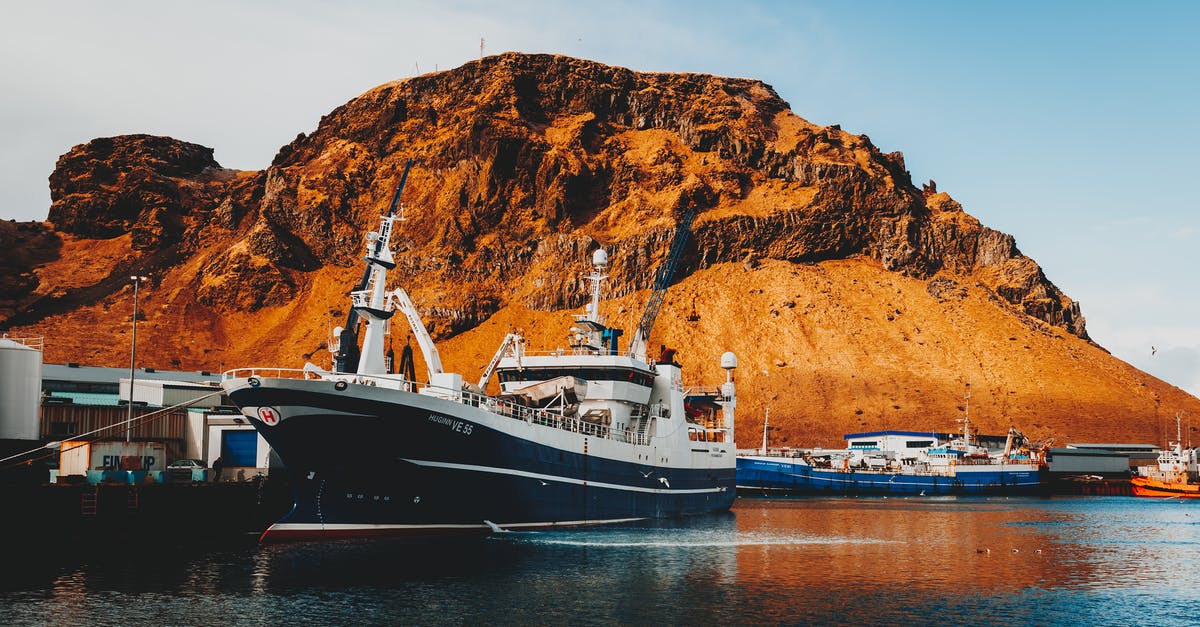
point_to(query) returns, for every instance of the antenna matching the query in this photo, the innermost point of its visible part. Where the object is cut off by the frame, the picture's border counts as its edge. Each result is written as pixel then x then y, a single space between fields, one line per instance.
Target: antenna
pixel 766 427
pixel 966 420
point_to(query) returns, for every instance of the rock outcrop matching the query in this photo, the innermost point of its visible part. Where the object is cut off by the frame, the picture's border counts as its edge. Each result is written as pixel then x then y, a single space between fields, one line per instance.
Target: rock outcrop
pixel 133 183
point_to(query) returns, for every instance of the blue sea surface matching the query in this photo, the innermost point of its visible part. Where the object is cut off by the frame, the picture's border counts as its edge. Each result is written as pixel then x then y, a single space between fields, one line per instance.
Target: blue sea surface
pixel 810 561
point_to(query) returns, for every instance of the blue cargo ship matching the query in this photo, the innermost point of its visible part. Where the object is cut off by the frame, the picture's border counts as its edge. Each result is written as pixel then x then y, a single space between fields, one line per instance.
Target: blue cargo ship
pixel 894 462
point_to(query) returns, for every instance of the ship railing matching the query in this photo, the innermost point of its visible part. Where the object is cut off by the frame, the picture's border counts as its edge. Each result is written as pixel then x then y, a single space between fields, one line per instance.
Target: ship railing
pixel 780 452
pixel 704 390
pixel 562 352
pixel 547 417
pixel 393 382
pixel 269 373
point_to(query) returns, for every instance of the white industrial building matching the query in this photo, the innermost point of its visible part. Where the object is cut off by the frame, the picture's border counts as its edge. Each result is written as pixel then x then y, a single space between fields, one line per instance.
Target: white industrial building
pixel 168 393
pixel 213 434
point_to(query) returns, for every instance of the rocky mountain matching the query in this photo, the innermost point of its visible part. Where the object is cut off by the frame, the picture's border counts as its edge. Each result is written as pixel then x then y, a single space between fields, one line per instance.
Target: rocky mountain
pixel 855 299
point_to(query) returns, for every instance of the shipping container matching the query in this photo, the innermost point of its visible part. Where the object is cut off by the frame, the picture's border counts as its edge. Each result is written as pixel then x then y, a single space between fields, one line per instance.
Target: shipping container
pixel 77 457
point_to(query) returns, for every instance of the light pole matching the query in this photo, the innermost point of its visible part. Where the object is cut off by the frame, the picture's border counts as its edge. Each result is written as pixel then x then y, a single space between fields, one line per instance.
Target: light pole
pixel 132 358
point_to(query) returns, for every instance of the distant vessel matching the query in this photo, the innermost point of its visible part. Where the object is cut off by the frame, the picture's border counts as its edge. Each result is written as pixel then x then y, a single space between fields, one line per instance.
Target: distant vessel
pixel 577 436
pixel 1175 474
pixel 894 462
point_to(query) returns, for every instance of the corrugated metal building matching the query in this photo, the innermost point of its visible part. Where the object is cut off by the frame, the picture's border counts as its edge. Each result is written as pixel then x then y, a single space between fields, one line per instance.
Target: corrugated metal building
pixel 72 377
pixel 78 400
pixel 1106 460
pixel 66 421
pixel 81 399
pixel 162 393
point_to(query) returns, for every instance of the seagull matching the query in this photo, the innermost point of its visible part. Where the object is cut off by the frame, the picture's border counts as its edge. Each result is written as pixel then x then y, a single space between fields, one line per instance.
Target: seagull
pixel 1016 550
pixel 983 550
pixel 1038 551
pixel 1153 350
pixel 646 474
pixel 542 482
pixel 663 480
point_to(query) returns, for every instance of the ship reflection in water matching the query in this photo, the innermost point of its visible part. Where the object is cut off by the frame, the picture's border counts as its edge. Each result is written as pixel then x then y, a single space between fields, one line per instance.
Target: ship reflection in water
pixel 866 561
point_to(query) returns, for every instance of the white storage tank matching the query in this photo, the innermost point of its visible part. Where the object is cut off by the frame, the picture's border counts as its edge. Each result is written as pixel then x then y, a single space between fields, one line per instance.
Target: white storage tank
pixel 20 387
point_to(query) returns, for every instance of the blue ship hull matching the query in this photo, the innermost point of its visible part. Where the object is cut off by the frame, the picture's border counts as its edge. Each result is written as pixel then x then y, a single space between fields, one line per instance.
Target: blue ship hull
pixel 782 475
pixel 371 462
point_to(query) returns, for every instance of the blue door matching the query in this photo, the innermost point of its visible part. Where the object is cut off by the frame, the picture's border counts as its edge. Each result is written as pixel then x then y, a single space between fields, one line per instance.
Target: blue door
pixel 239 448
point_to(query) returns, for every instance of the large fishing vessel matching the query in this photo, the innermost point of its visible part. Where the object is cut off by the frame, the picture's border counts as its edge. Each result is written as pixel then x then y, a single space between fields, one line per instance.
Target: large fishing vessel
pixel 894 462
pixel 581 435
pixel 1175 474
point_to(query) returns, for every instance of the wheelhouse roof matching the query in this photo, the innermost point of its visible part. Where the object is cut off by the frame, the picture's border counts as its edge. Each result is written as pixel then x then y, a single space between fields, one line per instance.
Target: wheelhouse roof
pixel 875 434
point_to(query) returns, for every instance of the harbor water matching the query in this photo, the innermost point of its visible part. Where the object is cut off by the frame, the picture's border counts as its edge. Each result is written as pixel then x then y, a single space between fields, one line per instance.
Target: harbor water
pixel 845 561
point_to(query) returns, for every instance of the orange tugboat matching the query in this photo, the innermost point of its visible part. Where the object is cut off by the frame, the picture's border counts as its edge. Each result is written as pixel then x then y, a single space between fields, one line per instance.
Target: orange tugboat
pixel 1175 475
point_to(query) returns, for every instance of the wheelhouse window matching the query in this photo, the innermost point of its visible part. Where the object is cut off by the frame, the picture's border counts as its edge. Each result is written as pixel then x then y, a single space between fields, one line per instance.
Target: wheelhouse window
pixel 588 374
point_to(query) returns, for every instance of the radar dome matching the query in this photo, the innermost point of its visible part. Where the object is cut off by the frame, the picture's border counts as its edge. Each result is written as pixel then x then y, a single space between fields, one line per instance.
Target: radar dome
pixel 729 361
pixel 599 258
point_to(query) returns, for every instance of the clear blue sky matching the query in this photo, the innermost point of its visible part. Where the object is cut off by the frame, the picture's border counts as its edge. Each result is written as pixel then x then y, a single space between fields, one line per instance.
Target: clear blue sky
pixel 1071 125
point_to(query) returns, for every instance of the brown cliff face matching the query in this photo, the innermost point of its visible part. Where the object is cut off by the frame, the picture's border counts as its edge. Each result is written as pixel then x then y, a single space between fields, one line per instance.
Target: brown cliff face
pixel 524 165
pixel 23 246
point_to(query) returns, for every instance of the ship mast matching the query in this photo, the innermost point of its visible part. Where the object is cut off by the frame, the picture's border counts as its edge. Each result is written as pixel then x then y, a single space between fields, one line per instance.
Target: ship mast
pixel 1178 433
pixel 369 298
pixel 766 427
pixel 599 263
pixel 592 333
pixel 966 420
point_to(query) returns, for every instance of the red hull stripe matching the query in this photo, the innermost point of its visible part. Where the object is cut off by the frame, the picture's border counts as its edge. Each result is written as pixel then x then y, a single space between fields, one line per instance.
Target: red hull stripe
pixel 287 532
